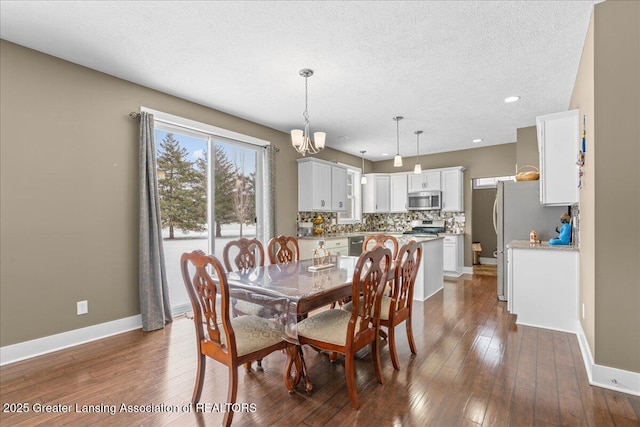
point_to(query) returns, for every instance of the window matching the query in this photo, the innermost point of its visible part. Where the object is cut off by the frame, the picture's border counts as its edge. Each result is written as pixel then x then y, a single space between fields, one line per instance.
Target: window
pixel 353 213
pixel 209 182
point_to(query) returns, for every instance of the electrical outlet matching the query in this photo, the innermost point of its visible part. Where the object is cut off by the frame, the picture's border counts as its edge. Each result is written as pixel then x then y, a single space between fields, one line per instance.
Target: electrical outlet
pixel 582 311
pixel 82 307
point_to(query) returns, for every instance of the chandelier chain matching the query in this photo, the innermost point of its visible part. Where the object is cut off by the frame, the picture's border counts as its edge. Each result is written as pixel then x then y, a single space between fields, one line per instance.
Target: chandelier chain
pixel 306 100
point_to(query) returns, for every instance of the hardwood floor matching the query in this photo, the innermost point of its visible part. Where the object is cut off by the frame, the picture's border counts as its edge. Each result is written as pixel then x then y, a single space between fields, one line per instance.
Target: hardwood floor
pixel 486 269
pixel 474 367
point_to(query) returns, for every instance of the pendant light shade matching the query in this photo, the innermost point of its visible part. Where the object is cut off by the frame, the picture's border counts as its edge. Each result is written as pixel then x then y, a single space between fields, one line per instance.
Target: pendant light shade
pixel 417 168
pixel 397 160
pixel 363 179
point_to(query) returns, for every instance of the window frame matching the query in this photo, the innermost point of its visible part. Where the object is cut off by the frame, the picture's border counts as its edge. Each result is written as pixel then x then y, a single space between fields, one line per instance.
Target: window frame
pixel 356 196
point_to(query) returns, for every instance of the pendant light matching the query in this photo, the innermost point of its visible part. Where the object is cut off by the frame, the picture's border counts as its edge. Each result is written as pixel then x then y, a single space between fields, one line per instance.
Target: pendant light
pixel 397 160
pixel 363 179
pixel 417 169
pixel 301 139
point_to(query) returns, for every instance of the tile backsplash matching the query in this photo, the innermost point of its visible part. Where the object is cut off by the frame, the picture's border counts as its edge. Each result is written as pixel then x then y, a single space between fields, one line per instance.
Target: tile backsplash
pixel 391 222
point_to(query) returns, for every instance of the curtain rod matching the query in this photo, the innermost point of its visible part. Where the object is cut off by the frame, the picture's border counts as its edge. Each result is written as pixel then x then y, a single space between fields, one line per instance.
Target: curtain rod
pixel 135 115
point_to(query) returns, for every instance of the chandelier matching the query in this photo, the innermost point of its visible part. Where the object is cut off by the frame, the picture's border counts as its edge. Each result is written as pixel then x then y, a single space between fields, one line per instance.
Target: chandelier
pixel 301 139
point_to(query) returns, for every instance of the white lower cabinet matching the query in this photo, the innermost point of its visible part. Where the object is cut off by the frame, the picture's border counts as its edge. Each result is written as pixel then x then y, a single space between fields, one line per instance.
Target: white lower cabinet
pixel 543 288
pixel 453 254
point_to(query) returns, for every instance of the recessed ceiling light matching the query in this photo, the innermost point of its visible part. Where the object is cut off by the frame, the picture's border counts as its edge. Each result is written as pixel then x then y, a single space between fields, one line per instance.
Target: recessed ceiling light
pixel 511 99
pixel 477 140
pixel 384 154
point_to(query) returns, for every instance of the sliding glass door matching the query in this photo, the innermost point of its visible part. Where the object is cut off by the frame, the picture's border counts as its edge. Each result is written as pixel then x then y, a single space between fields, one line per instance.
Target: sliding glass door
pixel 210 194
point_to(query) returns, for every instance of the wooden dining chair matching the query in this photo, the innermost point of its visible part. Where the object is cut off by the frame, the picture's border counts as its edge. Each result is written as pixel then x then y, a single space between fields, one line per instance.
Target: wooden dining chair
pixel 398 307
pixel 243 254
pixel 230 341
pixel 345 332
pixel 384 240
pixel 283 249
pixel 381 239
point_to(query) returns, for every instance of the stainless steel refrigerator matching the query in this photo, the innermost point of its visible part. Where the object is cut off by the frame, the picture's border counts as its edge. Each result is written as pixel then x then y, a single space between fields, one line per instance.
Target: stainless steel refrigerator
pixel 517 211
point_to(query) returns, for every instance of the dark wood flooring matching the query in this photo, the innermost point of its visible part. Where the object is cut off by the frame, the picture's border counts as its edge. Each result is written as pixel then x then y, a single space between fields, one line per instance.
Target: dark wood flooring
pixel 474 367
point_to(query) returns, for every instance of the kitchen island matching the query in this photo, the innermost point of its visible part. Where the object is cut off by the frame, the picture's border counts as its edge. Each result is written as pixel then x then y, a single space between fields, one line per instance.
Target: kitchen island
pixel 430 278
pixel 430 275
pixel 543 285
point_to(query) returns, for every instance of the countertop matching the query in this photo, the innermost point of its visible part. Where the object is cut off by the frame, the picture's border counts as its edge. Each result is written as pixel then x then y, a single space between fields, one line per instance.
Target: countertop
pixel 397 235
pixel 344 235
pixel 524 244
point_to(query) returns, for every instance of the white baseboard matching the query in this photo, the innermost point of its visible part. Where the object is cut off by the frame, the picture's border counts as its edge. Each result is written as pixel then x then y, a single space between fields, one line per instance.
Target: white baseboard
pixel 433 293
pixel 605 376
pixel 28 349
pixel 179 310
pixel 489 261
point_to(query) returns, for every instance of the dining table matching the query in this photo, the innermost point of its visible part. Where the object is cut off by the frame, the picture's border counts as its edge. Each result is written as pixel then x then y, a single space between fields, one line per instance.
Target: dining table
pixel 289 292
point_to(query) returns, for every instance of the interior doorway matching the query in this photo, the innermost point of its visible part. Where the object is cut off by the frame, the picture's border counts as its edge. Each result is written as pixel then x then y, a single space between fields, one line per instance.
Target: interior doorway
pixel 482 218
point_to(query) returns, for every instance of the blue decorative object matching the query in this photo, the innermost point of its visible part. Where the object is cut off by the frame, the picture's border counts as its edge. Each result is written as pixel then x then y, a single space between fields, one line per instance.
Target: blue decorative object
pixel 565 236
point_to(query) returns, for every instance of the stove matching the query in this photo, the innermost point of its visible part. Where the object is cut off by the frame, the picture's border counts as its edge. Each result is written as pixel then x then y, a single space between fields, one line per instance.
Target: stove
pixel 426 227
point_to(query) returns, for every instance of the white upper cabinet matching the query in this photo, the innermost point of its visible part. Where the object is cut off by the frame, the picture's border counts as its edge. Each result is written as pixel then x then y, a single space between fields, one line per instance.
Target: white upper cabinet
pixel 376 195
pixel 426 181
pixel 315 185
pixel 338 189
pixel 558 143
pixel 398 192
pixel 452 189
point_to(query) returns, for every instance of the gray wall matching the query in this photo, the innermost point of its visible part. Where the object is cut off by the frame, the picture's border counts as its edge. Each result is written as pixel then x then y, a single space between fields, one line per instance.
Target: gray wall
pixel 482 220
pixel 527 148
pixel 617 185
pixel 69 180
pixel 607 91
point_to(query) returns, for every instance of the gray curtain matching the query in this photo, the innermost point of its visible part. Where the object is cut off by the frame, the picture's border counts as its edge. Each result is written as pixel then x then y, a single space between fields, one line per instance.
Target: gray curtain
pixel 269 192
pixel 154 291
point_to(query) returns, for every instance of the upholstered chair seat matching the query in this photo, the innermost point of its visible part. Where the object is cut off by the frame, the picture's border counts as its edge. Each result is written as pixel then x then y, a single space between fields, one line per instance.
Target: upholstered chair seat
pixel 254 333
pixel 247 307
pixel 327 326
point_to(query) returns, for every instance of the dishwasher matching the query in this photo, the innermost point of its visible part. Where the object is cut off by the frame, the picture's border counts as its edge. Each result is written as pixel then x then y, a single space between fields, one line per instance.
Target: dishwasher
pixel 355 245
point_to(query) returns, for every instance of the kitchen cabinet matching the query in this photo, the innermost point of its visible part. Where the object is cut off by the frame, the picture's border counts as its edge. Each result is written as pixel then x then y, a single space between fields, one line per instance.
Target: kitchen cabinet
pixel 399 191
pixel 558 144
pixel 317 180
pixel 338 189
pixel 426 181
pixel 337 246
pixel 376 196
pixel 452 189
pixel 543 286
pixel 453 254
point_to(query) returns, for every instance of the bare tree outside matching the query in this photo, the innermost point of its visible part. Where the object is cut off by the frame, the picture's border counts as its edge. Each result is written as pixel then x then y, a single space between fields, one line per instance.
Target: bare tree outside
pixel 241 198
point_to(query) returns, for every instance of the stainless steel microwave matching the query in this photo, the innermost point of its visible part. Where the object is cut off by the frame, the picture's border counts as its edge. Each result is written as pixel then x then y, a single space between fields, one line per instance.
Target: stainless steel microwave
pixel 425 200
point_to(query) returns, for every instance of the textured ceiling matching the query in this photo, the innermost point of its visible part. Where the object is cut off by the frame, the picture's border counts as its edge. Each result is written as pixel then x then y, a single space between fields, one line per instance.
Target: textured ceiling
pixel 445 66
